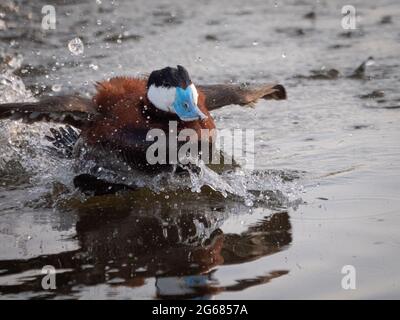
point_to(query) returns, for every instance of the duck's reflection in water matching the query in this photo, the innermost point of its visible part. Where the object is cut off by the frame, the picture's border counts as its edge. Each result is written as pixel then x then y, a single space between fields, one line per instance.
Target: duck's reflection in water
pixel 126 239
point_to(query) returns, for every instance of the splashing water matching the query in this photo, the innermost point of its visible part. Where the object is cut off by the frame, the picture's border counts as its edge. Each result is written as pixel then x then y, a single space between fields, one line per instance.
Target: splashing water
pixel 12 87
pixel 23 149
pixel 26 149
pixel 245 184
pixel 279 188
pixel 76 46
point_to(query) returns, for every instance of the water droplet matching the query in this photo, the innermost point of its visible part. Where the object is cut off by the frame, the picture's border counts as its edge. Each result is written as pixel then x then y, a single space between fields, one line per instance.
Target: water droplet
pixel 283 55
pixel 255 43
pixel 75 46
pixel 56 87
pixel 141 269
pixel 370 62
pixel 248 202
pixel 93 66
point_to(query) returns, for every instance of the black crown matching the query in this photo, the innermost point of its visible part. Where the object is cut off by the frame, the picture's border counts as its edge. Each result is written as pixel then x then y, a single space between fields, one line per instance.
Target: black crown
pixel 170 77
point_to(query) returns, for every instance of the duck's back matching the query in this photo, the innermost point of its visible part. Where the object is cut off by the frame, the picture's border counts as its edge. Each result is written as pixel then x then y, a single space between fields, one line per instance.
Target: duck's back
pixel 119 102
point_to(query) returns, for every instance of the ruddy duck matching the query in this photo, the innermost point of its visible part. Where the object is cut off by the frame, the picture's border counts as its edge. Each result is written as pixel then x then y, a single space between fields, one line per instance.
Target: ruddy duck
pixel 123 110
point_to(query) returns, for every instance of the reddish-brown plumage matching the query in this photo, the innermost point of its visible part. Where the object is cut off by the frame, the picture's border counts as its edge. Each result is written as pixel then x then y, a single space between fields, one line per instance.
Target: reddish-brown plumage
pixel 123 104
pixel 116 123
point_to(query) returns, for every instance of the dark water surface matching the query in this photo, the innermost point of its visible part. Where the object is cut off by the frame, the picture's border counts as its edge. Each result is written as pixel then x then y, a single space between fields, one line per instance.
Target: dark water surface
pixel 325 191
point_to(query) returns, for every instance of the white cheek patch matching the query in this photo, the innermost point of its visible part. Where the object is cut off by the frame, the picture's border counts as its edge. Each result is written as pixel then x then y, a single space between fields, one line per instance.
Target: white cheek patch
pixel 162 98
pixel 194 92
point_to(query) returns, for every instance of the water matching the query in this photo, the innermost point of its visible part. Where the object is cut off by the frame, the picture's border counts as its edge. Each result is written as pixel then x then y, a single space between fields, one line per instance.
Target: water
pixel 324 193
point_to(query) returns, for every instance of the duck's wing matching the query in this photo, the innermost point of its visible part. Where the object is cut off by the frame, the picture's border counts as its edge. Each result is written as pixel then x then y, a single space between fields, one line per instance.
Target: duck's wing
pixel 73 110
pixel 219 95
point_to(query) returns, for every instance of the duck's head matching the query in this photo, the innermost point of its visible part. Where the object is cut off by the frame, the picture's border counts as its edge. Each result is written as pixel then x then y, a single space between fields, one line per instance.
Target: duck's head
pixel 171 90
